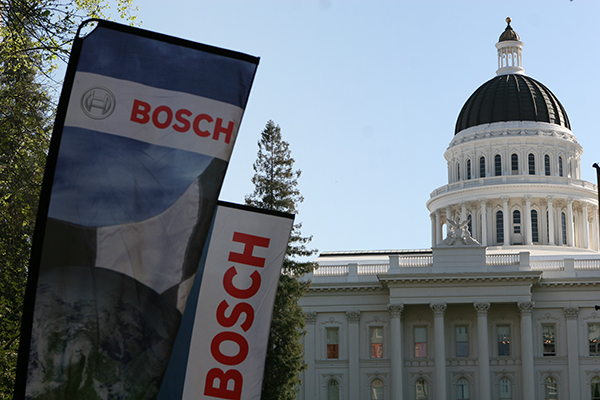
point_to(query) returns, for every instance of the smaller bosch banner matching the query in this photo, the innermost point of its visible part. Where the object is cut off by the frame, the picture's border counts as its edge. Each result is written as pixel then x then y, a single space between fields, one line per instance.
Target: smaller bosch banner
pixel 231 329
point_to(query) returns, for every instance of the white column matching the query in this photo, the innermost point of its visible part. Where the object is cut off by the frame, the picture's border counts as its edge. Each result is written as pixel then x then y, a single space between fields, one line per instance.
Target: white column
pixel 573 351
pixel 433 229
pixel 309 356
pixel 526 309
pixel 439 351
pixel 595 234
pixel 483 348
pixel 448 215
pixel 550 220
pixel 527 218
pixel 438 227
pixel 570 233
pixel 483 222
pixel 353 355
pixel 463 211
pixel 397 389
pixel 506 221
pixel 586 227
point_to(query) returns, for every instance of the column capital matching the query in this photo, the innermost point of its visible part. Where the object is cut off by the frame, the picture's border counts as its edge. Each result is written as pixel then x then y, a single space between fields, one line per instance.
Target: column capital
pixel 525 307
pixel 482 308
pixel 353 316
pixel 570 201
pixel 549 199
pixel 310 318
pixel 527 197
pixel 395 310
pixel 482 200
pixel 571 312
pixel 438 309
pixel 504 199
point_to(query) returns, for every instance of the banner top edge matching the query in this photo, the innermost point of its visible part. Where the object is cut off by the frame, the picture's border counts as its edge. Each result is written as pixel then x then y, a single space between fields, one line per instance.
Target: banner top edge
pixel 222 203
pixel 169 39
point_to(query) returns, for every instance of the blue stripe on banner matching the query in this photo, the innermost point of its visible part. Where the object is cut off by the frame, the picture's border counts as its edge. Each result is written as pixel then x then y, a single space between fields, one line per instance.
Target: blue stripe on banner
pixel 109 52
pixel 174 378
pixel 103 179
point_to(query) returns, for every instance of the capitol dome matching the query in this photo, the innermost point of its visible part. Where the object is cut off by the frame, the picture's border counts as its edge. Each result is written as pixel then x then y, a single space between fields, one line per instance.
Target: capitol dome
pixel 511 97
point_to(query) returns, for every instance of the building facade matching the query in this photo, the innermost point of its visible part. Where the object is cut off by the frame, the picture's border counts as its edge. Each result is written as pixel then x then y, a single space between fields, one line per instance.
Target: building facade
pixel 502 306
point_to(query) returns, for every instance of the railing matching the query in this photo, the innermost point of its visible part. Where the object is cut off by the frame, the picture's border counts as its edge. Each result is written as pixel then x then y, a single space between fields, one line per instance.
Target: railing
pixel 373 269
pixel 512 179
pixel 494 260
pixel 416 261
pixel 587 265
pixel 502 259
pixel 547 265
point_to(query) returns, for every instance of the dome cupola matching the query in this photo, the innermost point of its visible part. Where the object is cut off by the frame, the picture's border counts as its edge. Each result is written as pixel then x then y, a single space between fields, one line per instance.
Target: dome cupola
pixel 511 95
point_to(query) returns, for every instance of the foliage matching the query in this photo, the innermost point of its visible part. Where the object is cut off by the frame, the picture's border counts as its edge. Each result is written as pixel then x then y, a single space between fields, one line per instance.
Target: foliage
pixel 275 188
pixel 33 34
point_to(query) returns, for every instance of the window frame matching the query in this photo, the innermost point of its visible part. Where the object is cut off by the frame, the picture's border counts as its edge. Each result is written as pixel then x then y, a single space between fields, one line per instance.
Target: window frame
pixel 514 164
pixel 549 340
pixel 497 165
pixel 503 348
pixel 332 349
pixel 596 344
pixel 482 167
pixel 374 395
pixel 378 353
pixel 535 231
pixel 420 348
pixel 547 394
pixel 457 342
pixel 500 227
pixel 531 163
pixel 547 165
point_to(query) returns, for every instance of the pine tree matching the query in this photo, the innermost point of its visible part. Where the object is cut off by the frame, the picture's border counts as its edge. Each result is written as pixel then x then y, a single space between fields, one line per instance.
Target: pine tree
pixel 275 188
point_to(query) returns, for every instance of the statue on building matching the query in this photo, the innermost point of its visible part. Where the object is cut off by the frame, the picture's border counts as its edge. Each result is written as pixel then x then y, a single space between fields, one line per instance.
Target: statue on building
pixel 459 235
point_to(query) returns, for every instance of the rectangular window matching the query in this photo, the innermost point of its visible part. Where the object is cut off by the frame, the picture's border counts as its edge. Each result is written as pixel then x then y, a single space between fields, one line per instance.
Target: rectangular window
pixel 497 165
pixel 420 342
pixel 333 343
pixel 376 335
pixel 503 340
pixel 547 164
pixel 514 164
pixel 549 340
pixel 594 337
pixel 462 342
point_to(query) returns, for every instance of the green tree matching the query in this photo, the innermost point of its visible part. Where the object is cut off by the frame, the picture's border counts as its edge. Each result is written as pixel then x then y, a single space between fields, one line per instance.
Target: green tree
pixel 275 188
pixel 34 35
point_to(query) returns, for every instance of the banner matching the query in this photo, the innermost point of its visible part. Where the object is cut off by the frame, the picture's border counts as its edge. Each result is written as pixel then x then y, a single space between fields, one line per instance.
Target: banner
pixel 222 344
pixel 145 128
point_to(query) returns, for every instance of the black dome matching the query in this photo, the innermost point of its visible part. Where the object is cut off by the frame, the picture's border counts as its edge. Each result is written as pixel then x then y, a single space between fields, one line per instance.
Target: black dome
pixel 512 97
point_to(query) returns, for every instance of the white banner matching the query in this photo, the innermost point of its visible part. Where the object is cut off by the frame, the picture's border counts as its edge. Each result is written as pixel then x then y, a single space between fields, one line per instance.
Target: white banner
pixel 231 329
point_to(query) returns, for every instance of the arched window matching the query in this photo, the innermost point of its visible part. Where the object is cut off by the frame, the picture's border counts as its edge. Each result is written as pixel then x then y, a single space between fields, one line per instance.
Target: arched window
pixel 535 236
pixel 514 164
pixel 595 388
pixel 551 388
pixel 377 389
pixel 497 165
pixel 333 390
pixel 505 389
pixel 560 166
pixel 482 167
pixel 421 389
pixel 458 171
pixel 462 387
pixel 547 165
pixel 531 160
pixel 517 222
pixel 563 223
pixel 468 168
pixel 499 227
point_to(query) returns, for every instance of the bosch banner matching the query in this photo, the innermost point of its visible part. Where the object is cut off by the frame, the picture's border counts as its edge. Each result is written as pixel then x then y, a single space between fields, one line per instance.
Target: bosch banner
pixel 145 128
pixel 222 344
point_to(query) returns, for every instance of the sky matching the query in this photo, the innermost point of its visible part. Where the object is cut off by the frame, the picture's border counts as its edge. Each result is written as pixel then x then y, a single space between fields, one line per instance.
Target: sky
pixel 367 93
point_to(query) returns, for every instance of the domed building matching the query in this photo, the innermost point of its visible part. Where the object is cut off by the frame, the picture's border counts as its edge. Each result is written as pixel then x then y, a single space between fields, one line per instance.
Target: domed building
pixel 502 306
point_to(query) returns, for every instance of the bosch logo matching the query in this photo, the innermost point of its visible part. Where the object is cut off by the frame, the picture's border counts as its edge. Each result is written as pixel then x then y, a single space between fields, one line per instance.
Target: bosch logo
pixel 98 102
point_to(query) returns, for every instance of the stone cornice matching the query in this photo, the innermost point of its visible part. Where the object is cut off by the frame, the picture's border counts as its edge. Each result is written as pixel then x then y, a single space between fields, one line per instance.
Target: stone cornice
pixel 570 282
pixel 345 287
pixel 404 279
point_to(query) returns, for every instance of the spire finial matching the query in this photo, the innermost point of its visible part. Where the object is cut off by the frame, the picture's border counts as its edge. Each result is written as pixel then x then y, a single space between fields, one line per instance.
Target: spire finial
pixel 508 20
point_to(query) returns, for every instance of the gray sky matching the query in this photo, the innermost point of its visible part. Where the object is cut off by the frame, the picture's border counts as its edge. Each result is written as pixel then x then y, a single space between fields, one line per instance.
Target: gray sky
pixel 367 94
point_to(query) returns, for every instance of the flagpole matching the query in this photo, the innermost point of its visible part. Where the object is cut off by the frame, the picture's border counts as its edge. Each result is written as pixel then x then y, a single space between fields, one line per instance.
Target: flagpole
pixel 595 165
